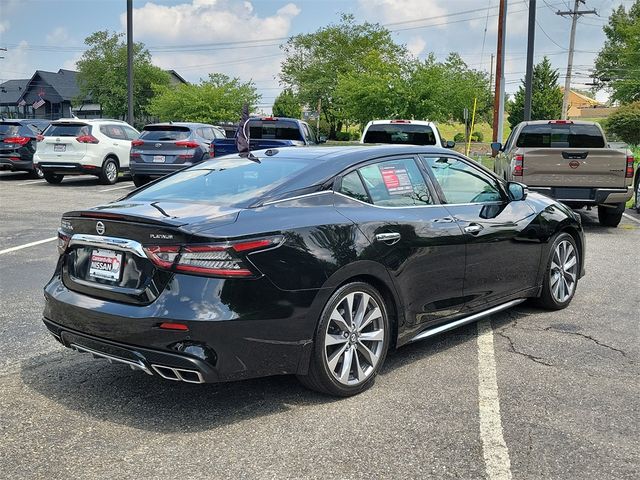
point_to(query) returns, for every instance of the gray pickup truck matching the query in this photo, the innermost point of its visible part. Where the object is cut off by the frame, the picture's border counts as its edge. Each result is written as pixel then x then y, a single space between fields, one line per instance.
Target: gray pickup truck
pixel 570 161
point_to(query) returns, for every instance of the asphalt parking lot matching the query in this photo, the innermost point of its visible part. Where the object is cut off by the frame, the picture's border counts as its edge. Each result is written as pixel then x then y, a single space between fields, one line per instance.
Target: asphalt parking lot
pixel 567 386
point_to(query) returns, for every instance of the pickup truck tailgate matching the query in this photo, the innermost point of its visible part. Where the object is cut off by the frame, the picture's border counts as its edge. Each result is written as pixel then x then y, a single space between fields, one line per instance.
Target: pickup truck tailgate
pixel 574 167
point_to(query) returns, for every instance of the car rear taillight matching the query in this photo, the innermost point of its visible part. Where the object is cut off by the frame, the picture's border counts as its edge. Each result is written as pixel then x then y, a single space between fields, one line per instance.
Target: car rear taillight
pixel 629 172
pixel 560 122
pixel 400 121
pixel 87 139
pixel 219 260
pixel 63 241
pixel 187 144
pixel 17 140
pixel 137 143
pixel 212 150
pixel 519 165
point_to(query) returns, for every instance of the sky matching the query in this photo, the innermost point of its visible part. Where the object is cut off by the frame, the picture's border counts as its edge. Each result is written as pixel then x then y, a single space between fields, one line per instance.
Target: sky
pixel 197 37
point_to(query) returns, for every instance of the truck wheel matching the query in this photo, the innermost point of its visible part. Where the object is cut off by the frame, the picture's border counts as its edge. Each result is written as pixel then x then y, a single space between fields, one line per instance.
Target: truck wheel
pixel 610 216
pixel 638 195
pixel 53 178
pixel 139 180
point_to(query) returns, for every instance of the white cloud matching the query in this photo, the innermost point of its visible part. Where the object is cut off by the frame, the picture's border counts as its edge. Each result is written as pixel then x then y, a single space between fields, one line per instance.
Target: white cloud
pixel 58 36
pixel 416 45
pixel 391 11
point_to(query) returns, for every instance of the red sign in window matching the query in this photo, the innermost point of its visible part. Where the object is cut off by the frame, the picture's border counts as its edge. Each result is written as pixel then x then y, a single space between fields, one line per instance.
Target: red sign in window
pixel 396 180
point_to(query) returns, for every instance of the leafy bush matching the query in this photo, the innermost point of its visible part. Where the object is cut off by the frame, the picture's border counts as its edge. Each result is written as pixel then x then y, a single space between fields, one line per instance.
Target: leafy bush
pixel 625 123
pixel 459 137
pixel 343 136
pixel 477 136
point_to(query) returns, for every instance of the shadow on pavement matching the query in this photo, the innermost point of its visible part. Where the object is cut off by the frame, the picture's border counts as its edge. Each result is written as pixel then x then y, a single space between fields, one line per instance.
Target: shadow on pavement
pixel 116 394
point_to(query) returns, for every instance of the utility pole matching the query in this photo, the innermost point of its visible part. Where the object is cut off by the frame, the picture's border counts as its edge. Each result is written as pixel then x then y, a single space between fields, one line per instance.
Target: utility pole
pixel 491 73
pixel 498 109
pixel 575 13
pixel 528 79
pixel 130 62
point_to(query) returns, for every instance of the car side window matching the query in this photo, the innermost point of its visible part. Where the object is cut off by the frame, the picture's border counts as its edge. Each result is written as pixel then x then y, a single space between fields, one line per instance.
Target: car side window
pixel 463 183
pixel 396 183
pixel 113 131
pixel 131 133
pixel 509 142
pixel 352 186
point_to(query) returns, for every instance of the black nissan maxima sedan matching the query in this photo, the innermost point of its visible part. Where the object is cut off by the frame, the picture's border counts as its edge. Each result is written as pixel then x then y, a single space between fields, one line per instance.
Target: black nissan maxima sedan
pixel 307 261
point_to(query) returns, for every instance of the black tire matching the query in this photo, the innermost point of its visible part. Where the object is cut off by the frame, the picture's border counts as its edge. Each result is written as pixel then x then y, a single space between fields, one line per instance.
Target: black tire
pixel 36 172
pixel 320 377
pixel 109 172
pixel 610 216
pixel 53 178
pixel 638 195
pixel 139 180
pixel 548 299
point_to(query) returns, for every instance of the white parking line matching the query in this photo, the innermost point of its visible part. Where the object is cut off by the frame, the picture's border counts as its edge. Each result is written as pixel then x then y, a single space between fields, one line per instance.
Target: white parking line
pixel 27 245
pixel 626 215
pixel 116 188
pixel 30 182
pixel 494 448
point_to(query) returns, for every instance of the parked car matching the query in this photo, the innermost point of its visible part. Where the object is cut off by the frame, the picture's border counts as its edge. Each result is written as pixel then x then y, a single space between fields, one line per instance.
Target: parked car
pixel 310 261
pixel 79 147
pixel 271 132
pixel 570 161
pixel 166 147
pixel 18 140
pixel 404 132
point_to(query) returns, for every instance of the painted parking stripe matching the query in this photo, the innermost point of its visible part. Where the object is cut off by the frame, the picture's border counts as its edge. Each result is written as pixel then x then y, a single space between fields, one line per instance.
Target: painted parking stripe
pixel 116 188
pixel 626 215
pixel 494 448
pixel 27 245
pixel 30 182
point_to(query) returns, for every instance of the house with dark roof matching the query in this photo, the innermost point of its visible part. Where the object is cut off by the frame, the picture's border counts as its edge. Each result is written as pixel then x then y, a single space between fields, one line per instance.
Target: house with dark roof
pixel 49 95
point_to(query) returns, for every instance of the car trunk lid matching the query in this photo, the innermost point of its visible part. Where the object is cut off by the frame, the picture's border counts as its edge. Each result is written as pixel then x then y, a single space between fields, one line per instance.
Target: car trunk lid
pixel 164 144
pixel 60 142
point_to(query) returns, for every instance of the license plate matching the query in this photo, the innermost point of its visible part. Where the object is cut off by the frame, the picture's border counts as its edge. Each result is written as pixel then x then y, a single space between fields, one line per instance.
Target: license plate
pixel 105 264
pixel 158 158
pixel 59 147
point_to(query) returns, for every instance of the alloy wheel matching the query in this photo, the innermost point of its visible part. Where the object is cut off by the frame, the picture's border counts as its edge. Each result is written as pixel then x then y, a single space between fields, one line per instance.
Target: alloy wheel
pixel 111 171
pixel 354 339
pixel 563 272
pixel 37 171
pixel 638 196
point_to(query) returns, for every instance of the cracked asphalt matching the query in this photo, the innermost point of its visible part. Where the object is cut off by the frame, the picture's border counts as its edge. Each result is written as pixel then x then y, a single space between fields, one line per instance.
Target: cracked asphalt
pixel 568 386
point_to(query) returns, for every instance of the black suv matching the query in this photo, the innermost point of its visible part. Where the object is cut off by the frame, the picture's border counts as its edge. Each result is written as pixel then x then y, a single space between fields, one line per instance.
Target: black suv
pixel 163 148
pixel 18 140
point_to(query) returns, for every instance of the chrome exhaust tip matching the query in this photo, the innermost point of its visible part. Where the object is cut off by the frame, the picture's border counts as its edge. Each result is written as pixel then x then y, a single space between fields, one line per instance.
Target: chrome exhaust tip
pixel 178 374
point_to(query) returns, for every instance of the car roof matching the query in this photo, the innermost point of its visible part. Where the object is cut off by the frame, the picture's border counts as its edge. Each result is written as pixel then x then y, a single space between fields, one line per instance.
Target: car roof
pixel 547 122
pixel 89 120
pixel 400 122
pixel 179 124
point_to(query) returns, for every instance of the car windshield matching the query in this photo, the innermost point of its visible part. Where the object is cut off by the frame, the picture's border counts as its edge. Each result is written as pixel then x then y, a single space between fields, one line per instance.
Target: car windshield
pixel 274 129
pixel 230 181
pixel 558 135
pixel 165 133
pixel 67 130
pixel 9 129
pixel 400 133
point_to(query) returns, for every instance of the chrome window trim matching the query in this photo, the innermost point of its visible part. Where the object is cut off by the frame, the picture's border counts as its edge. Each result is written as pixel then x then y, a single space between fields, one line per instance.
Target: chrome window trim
pixel 312 194
pixel 114 243
pixel 419 206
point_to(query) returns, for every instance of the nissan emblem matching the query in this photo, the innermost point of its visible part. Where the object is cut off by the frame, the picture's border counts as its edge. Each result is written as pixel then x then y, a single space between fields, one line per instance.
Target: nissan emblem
pixel 100 228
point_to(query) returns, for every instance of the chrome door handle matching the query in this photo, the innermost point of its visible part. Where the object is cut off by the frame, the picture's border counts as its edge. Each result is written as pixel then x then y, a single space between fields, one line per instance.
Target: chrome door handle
pixel 473 229
pixel 388 237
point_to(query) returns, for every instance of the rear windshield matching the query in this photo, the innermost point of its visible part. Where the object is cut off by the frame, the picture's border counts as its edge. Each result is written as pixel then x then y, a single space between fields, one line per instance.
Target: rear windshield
pixel 67 130
pixel 165 133
pixel 560 136
pixel 9 129
pixel 401 133
pixel 228 181
pixel 274 130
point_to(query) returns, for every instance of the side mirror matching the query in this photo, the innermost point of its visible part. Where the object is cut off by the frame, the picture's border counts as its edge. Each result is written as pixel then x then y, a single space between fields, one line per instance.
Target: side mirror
pixel 495 148
pixel 517 191
pixel 449 144
pixel 322 139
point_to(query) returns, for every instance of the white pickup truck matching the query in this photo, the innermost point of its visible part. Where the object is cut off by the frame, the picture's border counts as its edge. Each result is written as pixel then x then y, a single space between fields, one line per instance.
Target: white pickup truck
pixel 570 161
pixel 404 132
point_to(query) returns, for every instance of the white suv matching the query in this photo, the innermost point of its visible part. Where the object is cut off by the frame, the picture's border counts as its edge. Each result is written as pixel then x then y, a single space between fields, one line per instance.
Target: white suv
pixel 404 132
pixel 78 147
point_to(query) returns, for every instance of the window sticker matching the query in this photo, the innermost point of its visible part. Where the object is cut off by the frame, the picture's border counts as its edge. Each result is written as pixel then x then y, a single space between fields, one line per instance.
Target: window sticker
pixel 396 179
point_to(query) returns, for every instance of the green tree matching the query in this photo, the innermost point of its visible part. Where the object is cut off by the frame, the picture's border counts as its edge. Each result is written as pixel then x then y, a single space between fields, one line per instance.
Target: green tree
pixel 546 98
pixel 617 66
pixel 217 99
pixel 378 89
pixel 287 105
pixel 440 91
pixel 625 123
pixel 102 74
pixel 315 61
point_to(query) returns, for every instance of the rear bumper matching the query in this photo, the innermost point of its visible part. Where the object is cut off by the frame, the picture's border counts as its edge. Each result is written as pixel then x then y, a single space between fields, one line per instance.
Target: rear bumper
pixel 68 168
pixel 586 195
pixel 155 169
pixel 15 165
